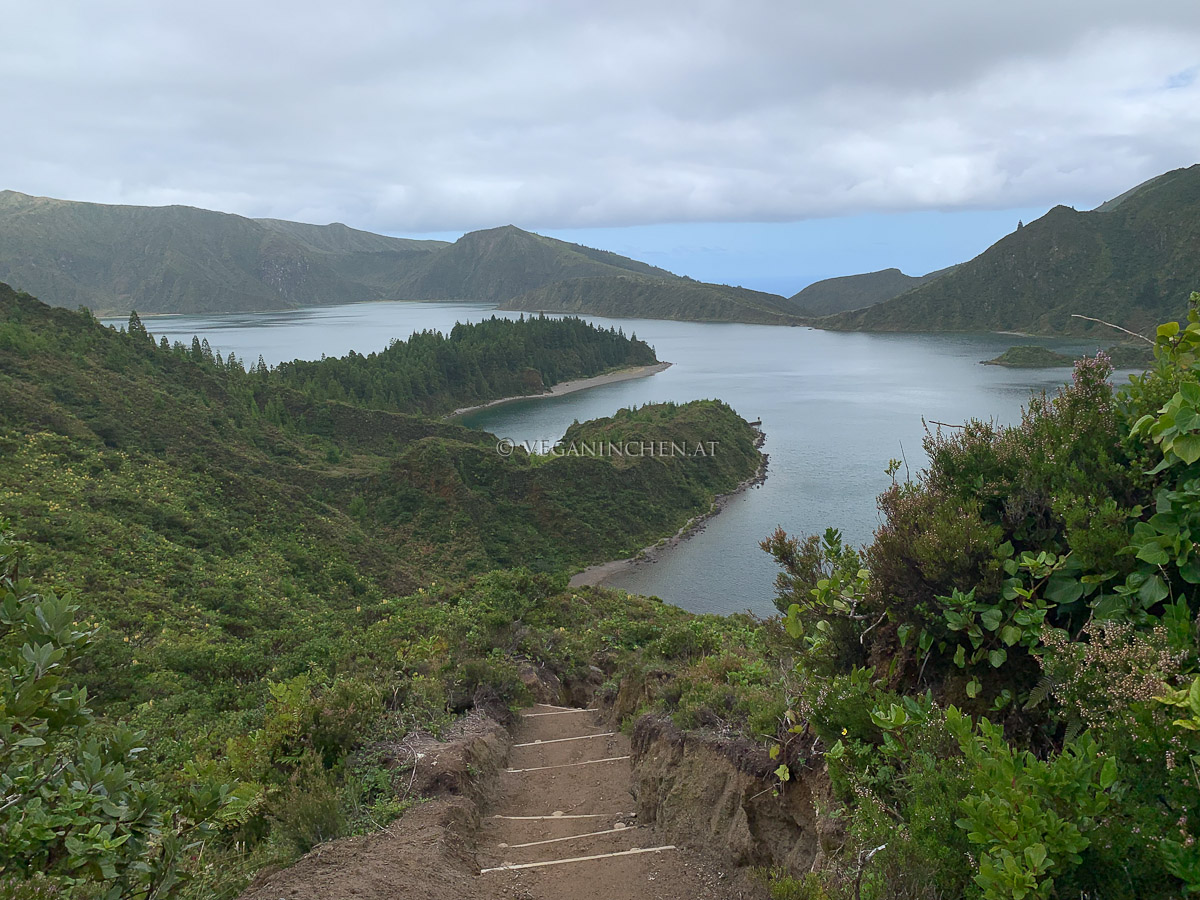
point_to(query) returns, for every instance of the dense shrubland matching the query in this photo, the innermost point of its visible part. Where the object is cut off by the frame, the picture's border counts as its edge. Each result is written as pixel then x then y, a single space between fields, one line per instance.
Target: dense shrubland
pixel 1005 682
pixel 274 588
pixel 1003 685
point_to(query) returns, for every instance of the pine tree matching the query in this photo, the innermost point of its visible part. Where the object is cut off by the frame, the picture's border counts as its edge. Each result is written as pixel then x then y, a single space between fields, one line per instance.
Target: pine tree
pixel 135 328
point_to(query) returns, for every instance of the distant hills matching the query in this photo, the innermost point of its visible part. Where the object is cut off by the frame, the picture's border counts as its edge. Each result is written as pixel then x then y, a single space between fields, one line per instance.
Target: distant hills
pixel 179 259
pixel 502 263
pixel 1132 261
pixel 636 296
pixel 835 295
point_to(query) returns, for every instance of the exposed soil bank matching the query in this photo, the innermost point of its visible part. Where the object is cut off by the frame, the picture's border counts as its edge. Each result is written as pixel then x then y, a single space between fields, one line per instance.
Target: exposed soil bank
pixel 570 387
pixel 718 796
pixel 429 851
pixel 600 573
pixel 540 810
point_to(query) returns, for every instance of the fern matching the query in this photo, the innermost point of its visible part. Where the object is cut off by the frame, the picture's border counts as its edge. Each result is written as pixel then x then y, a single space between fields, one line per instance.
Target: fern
pixel 1040 692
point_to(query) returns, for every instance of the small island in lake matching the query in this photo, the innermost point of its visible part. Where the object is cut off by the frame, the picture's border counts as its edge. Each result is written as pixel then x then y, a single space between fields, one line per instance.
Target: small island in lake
pixel 1123 356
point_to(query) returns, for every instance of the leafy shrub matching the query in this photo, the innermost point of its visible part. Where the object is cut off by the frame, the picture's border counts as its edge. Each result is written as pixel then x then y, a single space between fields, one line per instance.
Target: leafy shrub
pixel 71 806
pixel 306 811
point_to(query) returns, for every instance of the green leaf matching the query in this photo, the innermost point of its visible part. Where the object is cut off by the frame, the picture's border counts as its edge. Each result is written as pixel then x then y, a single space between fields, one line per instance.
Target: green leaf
pixel 1063 588
pixel 1108 774
pixel 960 657
pixel 1010 634
pixel 1110 606
pixel 991 618
pixel 1187 447
pixel 1153 554
pixel 1035 855
pixel 1190 570
pixel 783 773
pixel 1168 329
pixel 1152 591
pixel 973 688
pixel 998 657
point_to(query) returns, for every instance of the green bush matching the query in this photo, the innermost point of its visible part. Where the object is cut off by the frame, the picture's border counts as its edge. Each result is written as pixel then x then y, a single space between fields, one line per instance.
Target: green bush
pixel 71 806
pixel 306 811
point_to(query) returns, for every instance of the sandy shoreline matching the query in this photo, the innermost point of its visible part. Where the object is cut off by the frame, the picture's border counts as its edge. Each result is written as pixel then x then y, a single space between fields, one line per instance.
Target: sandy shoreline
pixel 570 387
pixel 600 573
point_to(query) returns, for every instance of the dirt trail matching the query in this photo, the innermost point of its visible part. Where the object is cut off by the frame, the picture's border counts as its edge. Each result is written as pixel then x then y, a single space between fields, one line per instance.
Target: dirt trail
pixel 563 824
pixel 563 795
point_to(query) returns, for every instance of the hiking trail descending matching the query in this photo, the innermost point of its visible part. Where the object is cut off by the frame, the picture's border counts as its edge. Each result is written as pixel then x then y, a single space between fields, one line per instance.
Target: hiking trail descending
pixel 563 824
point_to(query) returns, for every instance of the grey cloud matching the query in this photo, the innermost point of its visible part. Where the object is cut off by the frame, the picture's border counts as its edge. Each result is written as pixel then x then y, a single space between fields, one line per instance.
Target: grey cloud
pixel 405 117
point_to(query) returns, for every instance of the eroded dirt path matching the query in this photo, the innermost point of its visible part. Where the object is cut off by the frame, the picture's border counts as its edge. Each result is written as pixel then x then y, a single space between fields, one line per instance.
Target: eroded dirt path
pixel 563 825
pixel 560 826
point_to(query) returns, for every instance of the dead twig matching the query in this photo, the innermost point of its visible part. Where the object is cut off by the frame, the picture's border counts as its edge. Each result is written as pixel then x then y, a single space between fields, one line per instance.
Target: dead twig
pixel 1140 337
pixel 862 636
pixel 864 857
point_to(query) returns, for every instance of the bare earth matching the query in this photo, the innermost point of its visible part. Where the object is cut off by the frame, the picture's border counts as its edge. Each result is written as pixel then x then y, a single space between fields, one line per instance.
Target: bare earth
pixel 560 826
pixel 586 843
pixel 570 387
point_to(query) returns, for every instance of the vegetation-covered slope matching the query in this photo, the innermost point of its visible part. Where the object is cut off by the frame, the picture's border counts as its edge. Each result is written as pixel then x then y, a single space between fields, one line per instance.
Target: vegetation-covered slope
pixel 835 295
pixel 1132 263
pixel 502 263
pixel 181 259
pixel 1121 356
pixel 256 563
pixel 1003 689
pixel 135 468
pixel 651 298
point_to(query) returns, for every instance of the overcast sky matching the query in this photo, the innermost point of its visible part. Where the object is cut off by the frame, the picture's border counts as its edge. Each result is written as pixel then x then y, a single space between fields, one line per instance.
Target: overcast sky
pixel 743 140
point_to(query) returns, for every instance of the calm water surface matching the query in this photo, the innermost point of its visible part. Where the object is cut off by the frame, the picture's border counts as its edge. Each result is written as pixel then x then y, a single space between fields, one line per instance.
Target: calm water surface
pixel 835 409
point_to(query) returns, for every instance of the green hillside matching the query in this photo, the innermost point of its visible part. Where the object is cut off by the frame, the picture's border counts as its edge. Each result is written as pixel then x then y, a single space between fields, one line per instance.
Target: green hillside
pixel 637 297
pixel 499 264
pixel 1132 262
pixel 233 536
pixel 177 259
pixel 1121 356
pixel 835 295
pixel 181 259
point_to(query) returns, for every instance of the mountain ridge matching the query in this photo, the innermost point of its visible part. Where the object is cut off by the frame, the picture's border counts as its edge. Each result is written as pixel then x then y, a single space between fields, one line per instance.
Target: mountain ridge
pixel 633 296
pixel 1132 261
pixel 183 259
pixel 847 292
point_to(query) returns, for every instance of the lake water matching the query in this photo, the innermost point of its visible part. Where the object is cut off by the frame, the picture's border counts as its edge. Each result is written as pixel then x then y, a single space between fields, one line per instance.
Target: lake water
pixel 835 408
